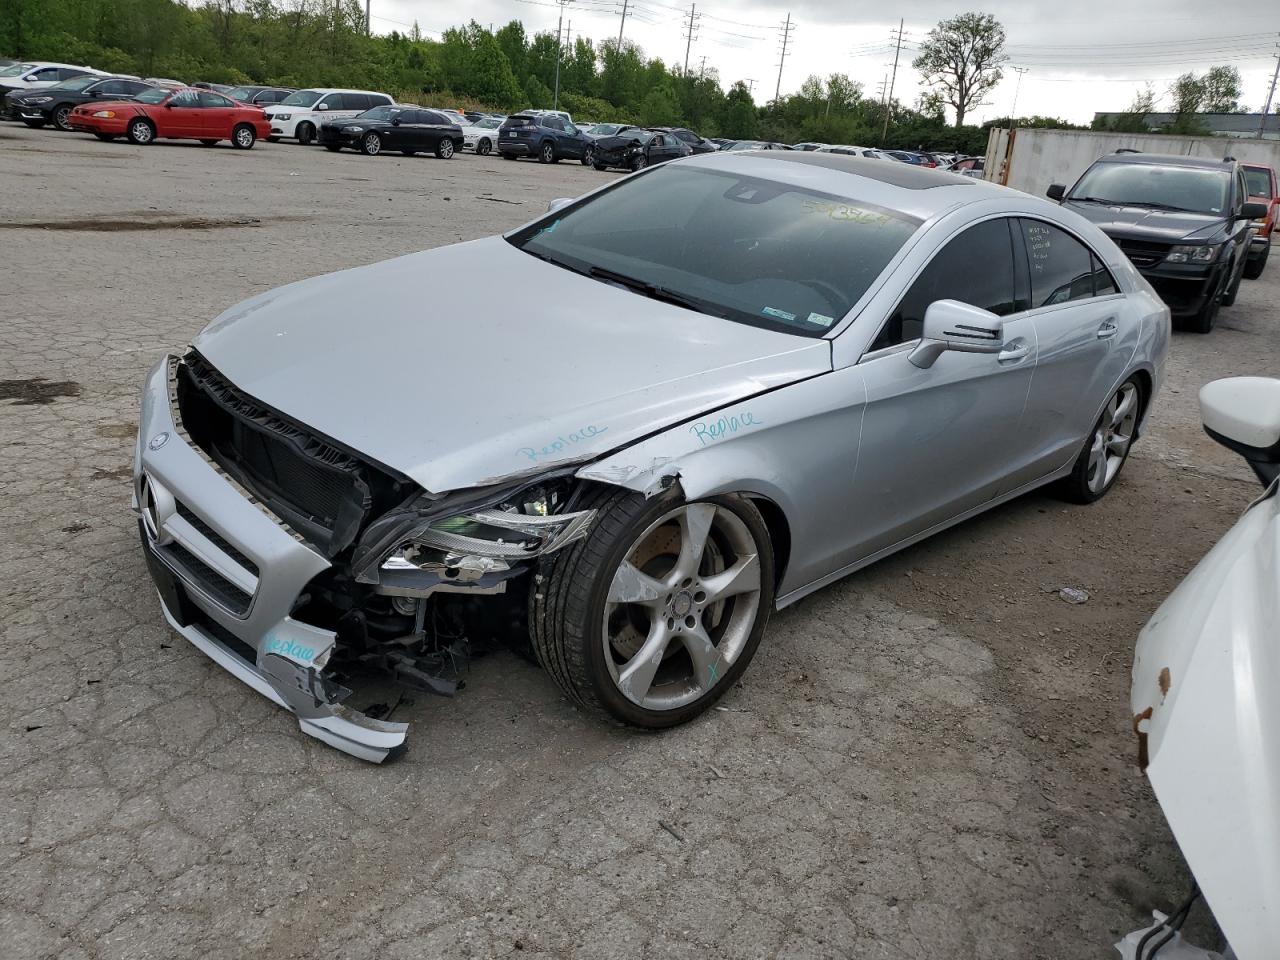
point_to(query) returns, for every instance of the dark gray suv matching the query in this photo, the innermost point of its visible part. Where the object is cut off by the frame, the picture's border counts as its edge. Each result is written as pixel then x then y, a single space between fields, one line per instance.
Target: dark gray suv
pixel 547 136
pixel 1184 222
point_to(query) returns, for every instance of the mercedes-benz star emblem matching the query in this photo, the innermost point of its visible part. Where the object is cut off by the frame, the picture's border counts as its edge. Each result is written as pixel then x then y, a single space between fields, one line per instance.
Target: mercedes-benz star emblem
pixel 158 441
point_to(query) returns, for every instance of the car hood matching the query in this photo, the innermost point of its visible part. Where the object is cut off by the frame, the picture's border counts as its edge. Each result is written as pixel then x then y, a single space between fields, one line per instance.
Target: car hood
pixel 557 369
pixel 1204 676
pixel 616 143
pixel 112 104
pixel 1143 223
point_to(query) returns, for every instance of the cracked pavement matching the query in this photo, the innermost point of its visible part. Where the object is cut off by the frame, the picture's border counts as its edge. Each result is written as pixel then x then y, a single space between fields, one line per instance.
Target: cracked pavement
pixel 931 758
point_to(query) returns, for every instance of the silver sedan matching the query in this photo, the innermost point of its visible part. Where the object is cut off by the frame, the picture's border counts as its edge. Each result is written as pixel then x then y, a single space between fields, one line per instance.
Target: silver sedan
pixel 706 391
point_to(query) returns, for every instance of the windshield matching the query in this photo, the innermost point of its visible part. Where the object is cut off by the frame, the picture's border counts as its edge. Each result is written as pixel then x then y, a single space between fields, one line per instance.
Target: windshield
pixel 606 129
pixel 158 95
pixel 303 98
pixel 746 249
pixel 1194 189
pixel 489 123
pixel 241 93
pixel 1259 181
pixel 16 69
pixel 745 145
pixel 76 83
pixel 379 113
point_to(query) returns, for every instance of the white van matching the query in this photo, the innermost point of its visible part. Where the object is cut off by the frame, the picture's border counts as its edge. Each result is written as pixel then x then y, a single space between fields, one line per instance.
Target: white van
pixel 300 114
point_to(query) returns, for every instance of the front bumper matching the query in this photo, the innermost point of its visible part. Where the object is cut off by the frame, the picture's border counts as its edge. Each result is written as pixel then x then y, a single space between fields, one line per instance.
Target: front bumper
pixel 1183 287
pixel 329 137
pixel 229 573
pixel 87 123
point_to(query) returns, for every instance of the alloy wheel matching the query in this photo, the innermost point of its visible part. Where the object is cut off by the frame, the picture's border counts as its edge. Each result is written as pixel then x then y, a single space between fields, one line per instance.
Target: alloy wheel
pixel 681 606
pixel 1111 440
pixel 372 144
pixel 548 153
pixel 244 138
pixel 60 117
pixel 140 132
pixel 446 148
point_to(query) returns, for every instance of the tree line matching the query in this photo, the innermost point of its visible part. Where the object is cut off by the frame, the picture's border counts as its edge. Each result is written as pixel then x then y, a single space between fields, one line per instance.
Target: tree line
pixel 325 43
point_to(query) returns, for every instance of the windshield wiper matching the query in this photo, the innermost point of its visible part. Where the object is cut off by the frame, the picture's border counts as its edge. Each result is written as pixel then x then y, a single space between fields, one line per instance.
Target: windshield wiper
pixel 1150 204
pixel 655 292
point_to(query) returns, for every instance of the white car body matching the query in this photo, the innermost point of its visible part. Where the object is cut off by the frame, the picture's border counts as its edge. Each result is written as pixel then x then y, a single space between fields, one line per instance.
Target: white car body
pixel 1203 701
pixel 853 151
pixel 38 74
pixel 327 106
pixel 486 128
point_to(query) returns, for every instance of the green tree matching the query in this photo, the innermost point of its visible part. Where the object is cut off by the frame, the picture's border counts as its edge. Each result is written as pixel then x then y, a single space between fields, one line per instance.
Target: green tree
pixel 659 108
pixel 738 116
pixel 491 79
pixel 537 93
pixel 1221 90
pixel 515 47
pixel 961 58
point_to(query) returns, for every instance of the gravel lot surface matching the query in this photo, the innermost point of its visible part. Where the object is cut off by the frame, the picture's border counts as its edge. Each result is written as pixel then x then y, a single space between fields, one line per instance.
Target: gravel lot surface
pixel 932 758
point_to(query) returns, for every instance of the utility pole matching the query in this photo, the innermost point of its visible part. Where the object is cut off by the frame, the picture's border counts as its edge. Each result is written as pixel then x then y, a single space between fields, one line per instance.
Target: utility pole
pixel 694 16
pixel 1013 114
pixel 368 29
pixel 622 24
pixel 751 84
pixel 1262 124
pixel 786 36
pixel 897 50
pixel 555 102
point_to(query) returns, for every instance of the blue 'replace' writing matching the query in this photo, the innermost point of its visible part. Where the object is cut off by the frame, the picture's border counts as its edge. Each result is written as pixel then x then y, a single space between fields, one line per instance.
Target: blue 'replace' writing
pixel 708 431
pixel 561 443
pixel 291 649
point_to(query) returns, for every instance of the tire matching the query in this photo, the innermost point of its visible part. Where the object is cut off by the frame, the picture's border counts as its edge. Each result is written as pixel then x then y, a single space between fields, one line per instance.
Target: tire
pixel 547 153
pixel 371 145
pixel 243 136
pixel 106 137
pixel 600 166
pixel 306 132
pixel 484 147
pixel 208 143
pixel 1253 268
pixel 589 157
pixel 1106 449
pixel 577 629
pixel 1229 295
pixel 61 114
pixel 445 148
pixel 331 147
pixel 640 162
pixel 33 124
pixel 140 132
pixel 273 139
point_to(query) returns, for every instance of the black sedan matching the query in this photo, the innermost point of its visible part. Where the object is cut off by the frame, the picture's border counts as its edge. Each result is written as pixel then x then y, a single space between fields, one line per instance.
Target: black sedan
pixel 405 128
pixel 258 96
pixel 637 149
pixel 697 143
pixel 54 104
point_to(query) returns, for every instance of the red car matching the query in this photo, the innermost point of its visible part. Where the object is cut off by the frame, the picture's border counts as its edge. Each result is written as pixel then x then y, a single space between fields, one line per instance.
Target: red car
pixel 1262 189
pixel 185 114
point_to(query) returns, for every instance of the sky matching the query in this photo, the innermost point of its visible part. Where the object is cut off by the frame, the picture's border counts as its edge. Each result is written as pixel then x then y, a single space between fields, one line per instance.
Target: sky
pixel 1089 55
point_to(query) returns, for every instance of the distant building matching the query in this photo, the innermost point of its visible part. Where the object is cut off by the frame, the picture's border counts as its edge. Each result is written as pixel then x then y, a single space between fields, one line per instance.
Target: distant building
pixel 1220 124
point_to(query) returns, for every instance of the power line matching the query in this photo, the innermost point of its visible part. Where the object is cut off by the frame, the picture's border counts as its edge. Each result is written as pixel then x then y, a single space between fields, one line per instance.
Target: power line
pixel 786 37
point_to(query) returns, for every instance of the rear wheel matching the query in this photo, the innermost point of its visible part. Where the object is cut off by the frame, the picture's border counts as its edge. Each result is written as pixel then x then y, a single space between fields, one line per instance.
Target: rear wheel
pixel 1253 268
pixel 306 133
pixel 61 116
pixel 1107 449
pixel 547 153
pixel 589 156
pixel 444 149
pixel 371 145
pixel 659 610
pixel 141 132
pixel 484 147
pixel 243 137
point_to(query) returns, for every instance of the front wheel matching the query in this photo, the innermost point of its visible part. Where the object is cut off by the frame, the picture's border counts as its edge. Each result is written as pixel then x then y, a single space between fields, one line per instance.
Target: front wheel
pixel 658 611
pixel 306 133
pixel 1107 449
pixel 444 149
pixel 371 145
pixel 243 137
pixel 141 132
pixel 484 147
pixel 1229 296
pixel 1253 268
pixel 640 162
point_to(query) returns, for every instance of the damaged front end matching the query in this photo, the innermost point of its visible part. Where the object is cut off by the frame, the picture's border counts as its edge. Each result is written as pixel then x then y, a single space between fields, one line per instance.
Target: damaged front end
pixel 305 569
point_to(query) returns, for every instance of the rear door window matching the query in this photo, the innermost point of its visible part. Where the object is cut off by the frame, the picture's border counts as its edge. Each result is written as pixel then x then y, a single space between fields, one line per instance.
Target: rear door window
pixel 208 99
pixel 1062 268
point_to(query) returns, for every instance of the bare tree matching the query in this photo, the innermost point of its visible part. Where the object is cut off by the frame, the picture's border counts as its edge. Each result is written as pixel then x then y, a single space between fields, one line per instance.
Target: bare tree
pixel 961 58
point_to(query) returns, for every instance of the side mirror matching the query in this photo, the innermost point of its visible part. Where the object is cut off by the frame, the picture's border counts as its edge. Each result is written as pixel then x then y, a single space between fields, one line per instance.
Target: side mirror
pixel 30 78
pixel 1056 191
pixel 557 203
pixel 1243 414
pixel 322 106
pixel 1253 211
pixel 395 121
pixel 952 325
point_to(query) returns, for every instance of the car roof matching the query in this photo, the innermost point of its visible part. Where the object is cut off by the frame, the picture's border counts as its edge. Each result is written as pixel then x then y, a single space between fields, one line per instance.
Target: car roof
pixel 341 90
pixel 919 192
pixel 1167 160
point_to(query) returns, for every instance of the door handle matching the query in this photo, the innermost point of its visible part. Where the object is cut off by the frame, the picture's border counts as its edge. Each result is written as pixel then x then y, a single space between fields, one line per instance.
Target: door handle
pixel 1108 329
pixel 1015 351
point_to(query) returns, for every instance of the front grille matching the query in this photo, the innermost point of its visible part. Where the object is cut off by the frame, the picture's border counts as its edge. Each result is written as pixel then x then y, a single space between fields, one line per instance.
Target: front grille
pixel 217 539
pixel 1143 253
pixel 322 491
pixel 208 580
